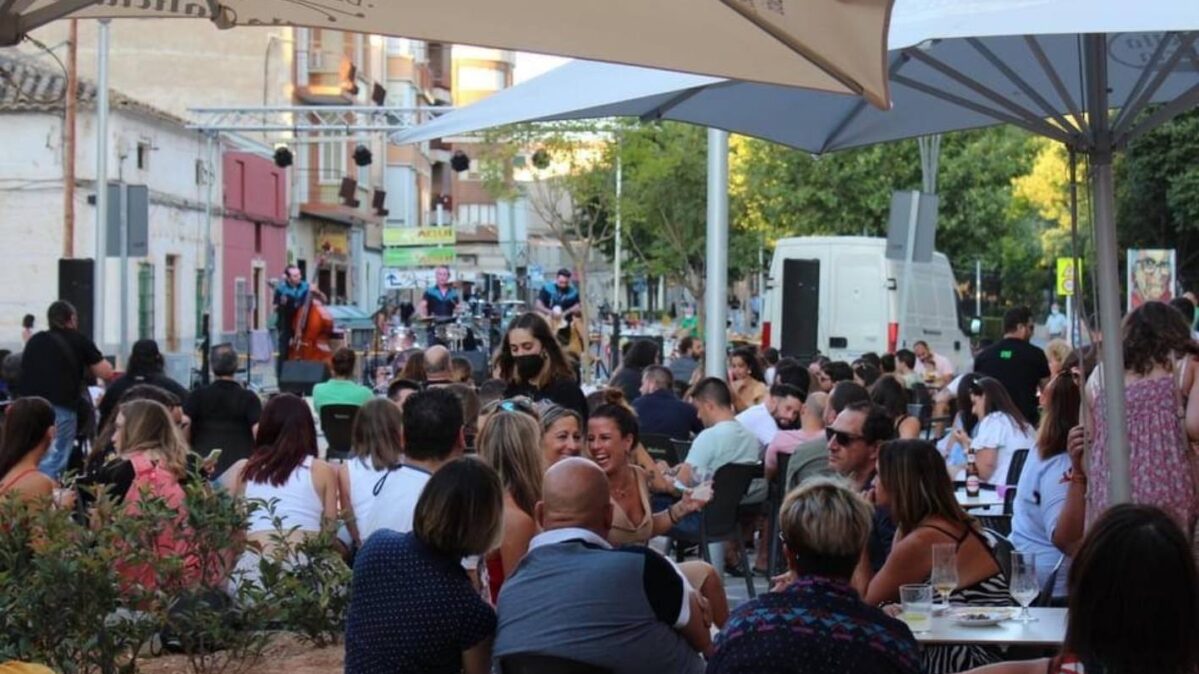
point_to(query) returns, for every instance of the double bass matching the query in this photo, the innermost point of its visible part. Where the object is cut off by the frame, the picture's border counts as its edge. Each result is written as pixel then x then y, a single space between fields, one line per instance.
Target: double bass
pixel 312 329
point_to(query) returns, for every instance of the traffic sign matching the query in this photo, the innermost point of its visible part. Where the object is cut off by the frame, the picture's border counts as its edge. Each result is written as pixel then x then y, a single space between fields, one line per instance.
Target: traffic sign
pixel 1066 275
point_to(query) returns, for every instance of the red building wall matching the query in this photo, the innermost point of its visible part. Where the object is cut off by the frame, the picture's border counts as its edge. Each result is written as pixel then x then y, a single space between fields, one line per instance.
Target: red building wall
pixel 255 228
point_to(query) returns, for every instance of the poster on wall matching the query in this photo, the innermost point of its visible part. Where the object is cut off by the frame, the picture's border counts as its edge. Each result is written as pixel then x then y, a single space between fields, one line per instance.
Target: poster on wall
pixel 1150 276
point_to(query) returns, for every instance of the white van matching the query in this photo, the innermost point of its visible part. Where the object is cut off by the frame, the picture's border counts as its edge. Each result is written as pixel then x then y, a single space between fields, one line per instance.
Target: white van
pixel 839 296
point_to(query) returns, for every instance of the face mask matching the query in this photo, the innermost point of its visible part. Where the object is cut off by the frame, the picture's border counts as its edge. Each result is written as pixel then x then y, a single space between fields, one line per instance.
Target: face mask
pixel 529 366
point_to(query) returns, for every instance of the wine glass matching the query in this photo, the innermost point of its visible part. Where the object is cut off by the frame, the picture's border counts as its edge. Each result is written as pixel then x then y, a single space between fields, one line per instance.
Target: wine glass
pixel 944 577
pixel 1023 584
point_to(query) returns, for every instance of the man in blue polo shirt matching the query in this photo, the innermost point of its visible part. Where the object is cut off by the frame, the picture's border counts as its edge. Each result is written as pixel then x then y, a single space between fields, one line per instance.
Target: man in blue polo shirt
pixel 559 297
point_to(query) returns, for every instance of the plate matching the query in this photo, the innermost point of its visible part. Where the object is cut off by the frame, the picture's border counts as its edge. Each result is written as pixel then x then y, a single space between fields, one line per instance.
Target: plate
pixel 979 617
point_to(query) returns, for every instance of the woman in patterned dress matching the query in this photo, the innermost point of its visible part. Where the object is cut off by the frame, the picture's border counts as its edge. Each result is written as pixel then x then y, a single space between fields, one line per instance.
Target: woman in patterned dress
pixel 1162 399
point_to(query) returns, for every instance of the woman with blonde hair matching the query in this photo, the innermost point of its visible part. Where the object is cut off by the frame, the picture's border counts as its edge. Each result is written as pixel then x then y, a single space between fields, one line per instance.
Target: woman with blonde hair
pixel 510 442
pixel 153 454
pixel 1056 352
pixel 561 433
pixel 374 450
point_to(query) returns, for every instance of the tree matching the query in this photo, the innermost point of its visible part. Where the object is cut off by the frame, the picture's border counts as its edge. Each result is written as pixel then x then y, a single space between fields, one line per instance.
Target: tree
pixel 1157 190
pixel 784 192
pixel 568 187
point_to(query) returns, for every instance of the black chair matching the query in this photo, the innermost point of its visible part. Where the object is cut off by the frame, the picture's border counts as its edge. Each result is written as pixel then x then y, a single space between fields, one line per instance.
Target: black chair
pixel 1016 466
pixel 337 422
pixel 1045 598
pixel 721 521
pixel 1003 552
pixel 536 663
pixel 234 439
pixel 778 491
pixel 681 447
pixel 660 447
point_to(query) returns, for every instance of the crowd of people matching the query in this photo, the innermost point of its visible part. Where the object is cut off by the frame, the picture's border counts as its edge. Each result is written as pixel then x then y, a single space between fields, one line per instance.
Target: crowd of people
pixel 491 518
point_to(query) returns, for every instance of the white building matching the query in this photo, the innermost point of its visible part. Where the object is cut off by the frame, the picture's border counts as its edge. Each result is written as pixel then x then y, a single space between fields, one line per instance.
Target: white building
pixel 147 147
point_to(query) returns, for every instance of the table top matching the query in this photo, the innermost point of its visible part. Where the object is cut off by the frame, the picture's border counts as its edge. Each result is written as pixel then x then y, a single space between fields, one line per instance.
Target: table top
pixel 1048 630
pixel 985 499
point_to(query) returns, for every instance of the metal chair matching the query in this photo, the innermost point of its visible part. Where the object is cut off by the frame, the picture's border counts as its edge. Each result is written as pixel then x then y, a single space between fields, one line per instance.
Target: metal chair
pixel 337 423
pixel 720 521
pixel 681 447
pixel 537 663
pixel 660 447
pixel 778 491
pixel 1003 552
pixel 1019 457
pixel 1045 598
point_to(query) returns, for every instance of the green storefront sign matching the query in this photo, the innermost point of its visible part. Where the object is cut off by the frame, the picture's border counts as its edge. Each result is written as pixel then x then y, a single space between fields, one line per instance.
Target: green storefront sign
pixel 418 256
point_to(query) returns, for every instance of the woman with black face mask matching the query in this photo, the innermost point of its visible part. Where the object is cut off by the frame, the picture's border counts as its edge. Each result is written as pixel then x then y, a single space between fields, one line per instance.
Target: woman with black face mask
pixel 532 363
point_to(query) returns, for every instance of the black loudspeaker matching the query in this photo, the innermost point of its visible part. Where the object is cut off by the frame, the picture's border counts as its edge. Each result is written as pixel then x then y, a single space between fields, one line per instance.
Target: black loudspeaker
pixel 478 364
pixel 299 376
pixel 76 285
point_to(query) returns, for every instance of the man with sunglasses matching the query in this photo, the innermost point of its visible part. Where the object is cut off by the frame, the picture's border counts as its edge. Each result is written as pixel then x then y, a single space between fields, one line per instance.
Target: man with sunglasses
pixel 854 439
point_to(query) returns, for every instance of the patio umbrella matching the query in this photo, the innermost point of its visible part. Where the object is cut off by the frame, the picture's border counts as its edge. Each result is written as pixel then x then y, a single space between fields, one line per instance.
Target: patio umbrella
pixel 831 45
pixel 1081 74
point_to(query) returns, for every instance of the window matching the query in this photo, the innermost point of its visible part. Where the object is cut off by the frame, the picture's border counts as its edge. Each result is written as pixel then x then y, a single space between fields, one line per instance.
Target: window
pixel 145 301
pixel 143 155
pixel 332 162
pixel 477 214
pixel 258 238
pixel 476 78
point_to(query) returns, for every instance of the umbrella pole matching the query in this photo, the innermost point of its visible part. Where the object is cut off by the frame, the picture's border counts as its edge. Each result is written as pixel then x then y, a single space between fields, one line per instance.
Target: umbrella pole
pixel 1107 271
pixel 716 268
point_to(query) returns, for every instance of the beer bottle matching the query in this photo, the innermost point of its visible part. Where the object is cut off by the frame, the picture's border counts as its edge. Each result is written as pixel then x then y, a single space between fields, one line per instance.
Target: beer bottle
pixel 972 481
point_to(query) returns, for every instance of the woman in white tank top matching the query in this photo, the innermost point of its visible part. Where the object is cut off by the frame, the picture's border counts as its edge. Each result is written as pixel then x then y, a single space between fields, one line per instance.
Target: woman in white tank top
pixel 283 468
pixel 375 450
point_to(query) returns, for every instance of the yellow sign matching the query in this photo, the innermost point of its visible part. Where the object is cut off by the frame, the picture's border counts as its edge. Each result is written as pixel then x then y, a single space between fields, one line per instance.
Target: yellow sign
pixel 1066 276
pixel 333 241
pixel 401 237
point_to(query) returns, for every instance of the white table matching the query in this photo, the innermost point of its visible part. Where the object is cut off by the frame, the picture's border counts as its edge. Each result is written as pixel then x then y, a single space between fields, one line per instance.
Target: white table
pixel 1048 630
pixel 986 498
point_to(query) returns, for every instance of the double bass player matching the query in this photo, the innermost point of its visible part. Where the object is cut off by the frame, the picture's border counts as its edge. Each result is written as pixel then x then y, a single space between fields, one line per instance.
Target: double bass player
pixel 290 296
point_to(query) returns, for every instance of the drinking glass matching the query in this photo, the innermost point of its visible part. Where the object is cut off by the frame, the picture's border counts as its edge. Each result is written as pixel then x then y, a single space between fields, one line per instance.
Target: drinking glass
pixel 1023 584
pixel 917 602
pixel 701 485
pixel 944 577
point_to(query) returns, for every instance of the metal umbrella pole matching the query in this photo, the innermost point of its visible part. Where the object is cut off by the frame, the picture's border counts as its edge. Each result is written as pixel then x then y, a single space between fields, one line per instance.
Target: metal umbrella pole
pixel 716 268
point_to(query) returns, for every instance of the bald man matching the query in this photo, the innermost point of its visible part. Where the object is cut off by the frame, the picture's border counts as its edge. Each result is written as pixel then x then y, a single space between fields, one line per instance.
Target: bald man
pixel 560 600
pixel 437 366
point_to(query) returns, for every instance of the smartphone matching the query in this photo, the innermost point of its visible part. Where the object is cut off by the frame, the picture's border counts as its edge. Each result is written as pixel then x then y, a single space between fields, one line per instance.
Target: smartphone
pixel 213 457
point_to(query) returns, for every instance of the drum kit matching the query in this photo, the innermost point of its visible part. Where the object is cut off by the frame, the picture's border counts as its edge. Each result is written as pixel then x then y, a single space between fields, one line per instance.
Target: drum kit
pixel 480 327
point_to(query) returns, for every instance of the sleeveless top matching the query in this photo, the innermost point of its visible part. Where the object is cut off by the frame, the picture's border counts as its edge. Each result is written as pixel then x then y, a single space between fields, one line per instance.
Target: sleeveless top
pixel 151 481
pixel 990 591
pixel 363 477
pixel 5 486
pixel 298 503
pixel 1159 462
pixel 625 531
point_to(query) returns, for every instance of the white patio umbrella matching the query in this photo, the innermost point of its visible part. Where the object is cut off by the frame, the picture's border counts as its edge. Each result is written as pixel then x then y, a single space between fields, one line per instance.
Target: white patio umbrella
pixel 831 45
pixel 1078 71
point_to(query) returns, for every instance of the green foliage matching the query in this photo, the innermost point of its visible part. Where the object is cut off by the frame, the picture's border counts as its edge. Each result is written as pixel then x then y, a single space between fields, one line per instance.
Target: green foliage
pixel 1157 190
pixel 784 192
pixel 65 602
pixel 304 581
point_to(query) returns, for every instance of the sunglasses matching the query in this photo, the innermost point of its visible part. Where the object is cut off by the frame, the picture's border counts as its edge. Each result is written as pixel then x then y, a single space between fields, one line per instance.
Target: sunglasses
pixel 515 404
pixel 841 437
